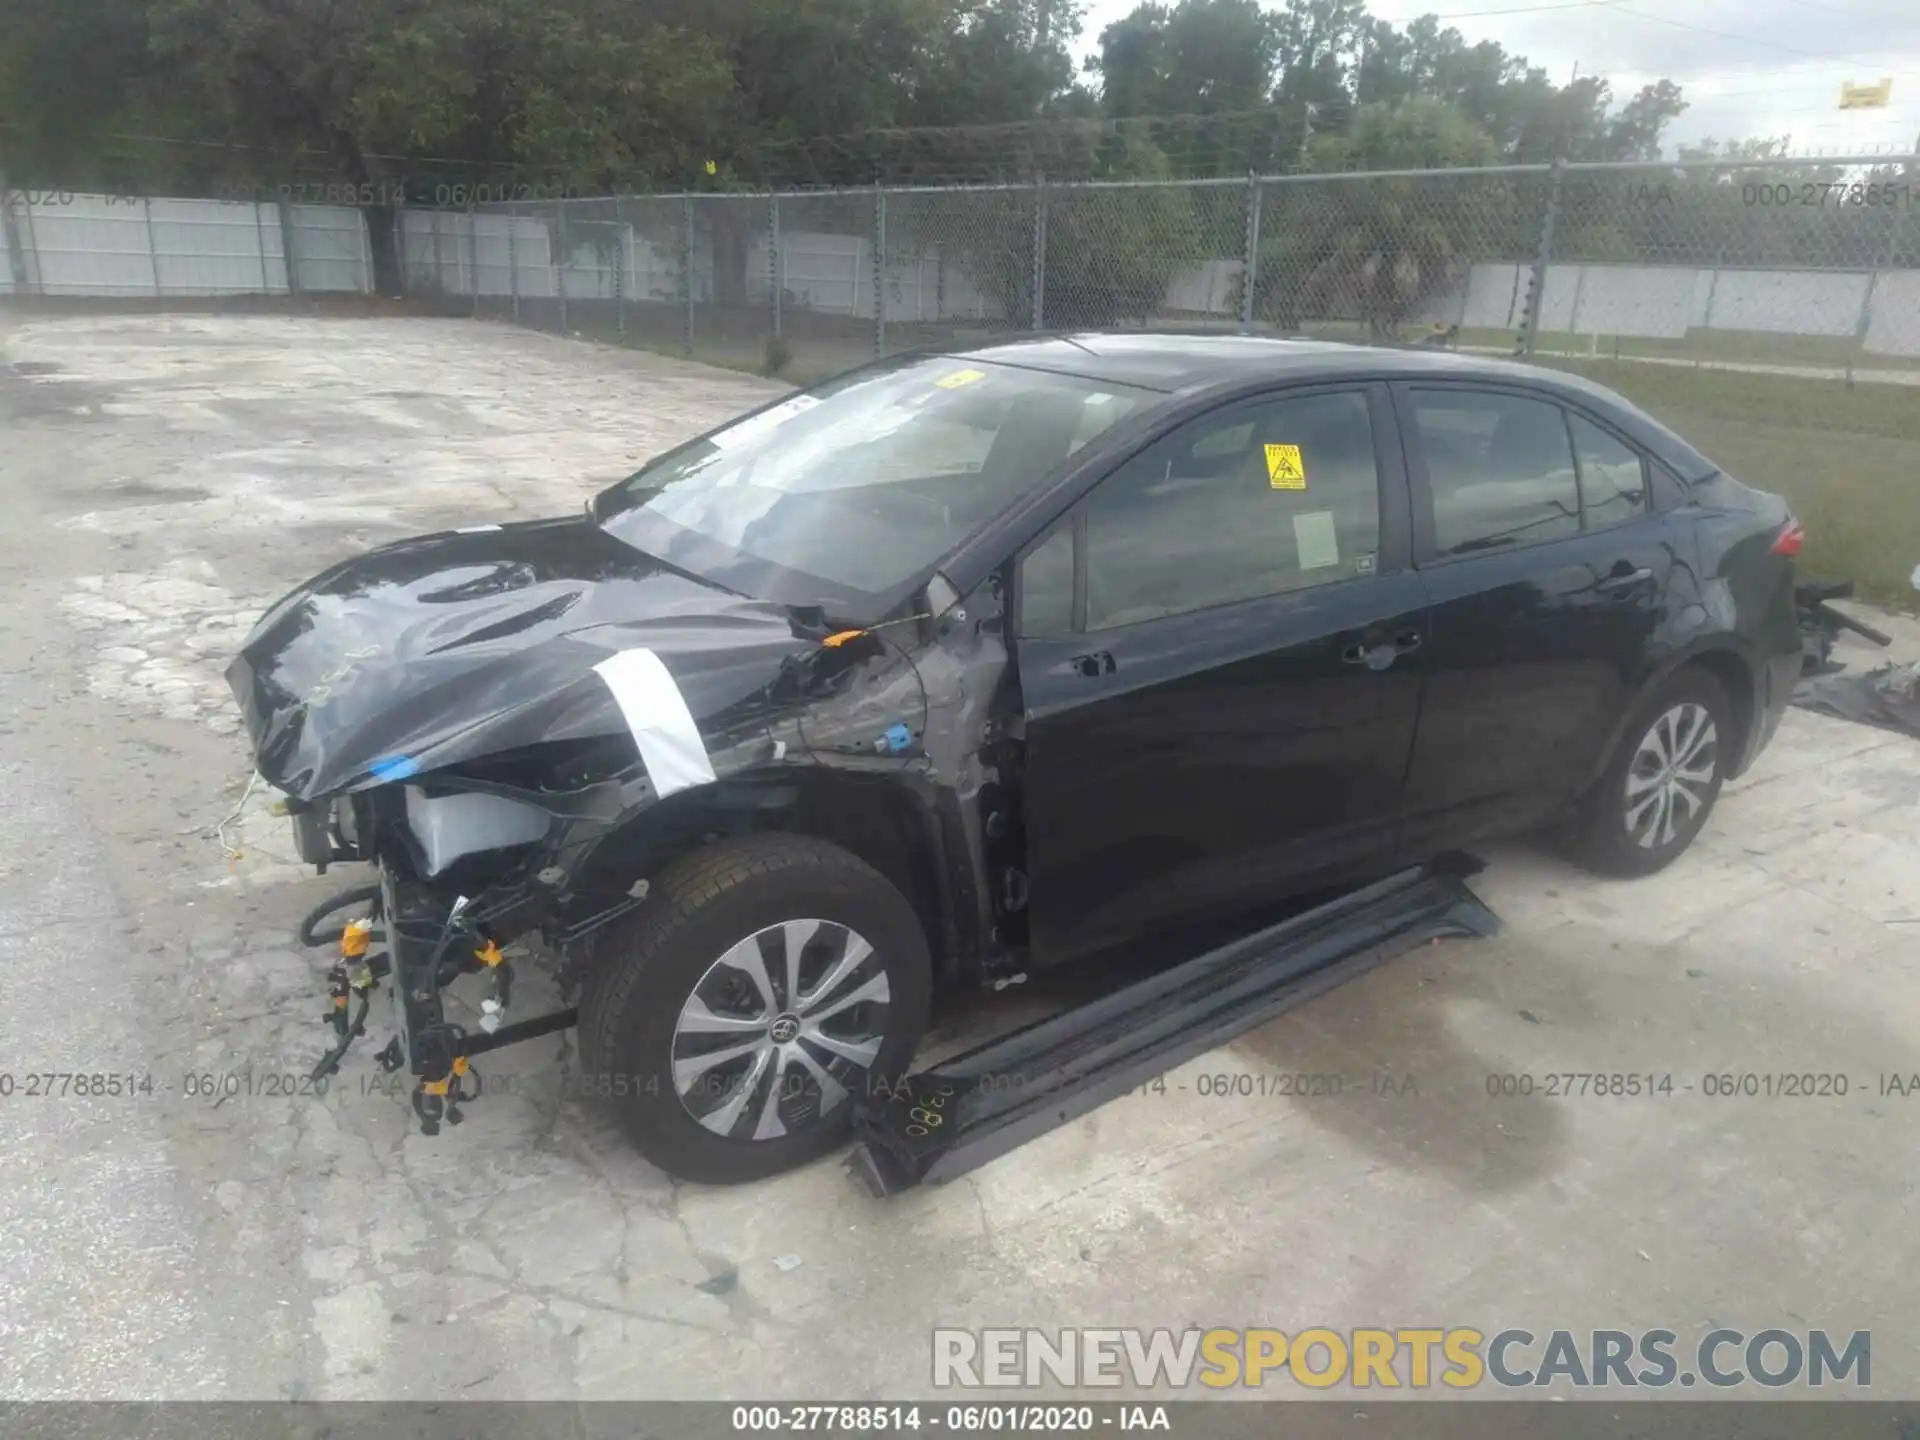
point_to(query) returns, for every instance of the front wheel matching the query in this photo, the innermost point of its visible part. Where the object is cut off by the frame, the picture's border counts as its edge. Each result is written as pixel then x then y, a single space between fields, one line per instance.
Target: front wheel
pixel 767 984
pixel 1661 786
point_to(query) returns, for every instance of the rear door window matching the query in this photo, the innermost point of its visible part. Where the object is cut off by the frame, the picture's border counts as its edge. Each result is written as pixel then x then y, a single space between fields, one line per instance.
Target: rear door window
pixel 1500 468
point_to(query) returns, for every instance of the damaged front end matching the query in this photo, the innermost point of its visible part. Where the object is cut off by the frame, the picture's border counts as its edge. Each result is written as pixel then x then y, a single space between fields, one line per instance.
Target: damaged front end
pixel 461 874
pixel 514 727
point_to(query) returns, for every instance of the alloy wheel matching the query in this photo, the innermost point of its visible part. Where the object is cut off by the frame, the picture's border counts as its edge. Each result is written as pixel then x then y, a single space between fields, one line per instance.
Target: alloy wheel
pixel 1672 774
pixel 780 1029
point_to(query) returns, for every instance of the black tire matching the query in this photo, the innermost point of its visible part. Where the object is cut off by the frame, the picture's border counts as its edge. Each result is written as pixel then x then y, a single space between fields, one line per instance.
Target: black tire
pixel 1611 833
pixel 647 972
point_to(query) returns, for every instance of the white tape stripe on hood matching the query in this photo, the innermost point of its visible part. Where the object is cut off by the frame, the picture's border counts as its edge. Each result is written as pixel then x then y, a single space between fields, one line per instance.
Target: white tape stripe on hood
pixel 662 726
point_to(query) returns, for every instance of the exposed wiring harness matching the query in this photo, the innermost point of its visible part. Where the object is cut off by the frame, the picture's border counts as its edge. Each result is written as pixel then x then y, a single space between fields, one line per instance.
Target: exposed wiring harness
pixel 220 830
pixel 312 937
pixel 844 637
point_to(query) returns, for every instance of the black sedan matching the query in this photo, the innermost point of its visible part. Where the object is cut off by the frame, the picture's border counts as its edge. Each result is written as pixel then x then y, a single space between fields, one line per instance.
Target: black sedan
pixel 966 664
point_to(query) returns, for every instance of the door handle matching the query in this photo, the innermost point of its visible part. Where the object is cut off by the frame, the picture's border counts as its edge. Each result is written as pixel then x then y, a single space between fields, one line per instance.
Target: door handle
pixel 1374 657
pixel 1100 662
pixel 1619 579
pixel 1379 657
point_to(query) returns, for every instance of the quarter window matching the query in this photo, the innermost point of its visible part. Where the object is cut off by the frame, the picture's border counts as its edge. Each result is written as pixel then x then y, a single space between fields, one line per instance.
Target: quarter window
pixel 1046 586
pixel 1500 468
pixel 1613 482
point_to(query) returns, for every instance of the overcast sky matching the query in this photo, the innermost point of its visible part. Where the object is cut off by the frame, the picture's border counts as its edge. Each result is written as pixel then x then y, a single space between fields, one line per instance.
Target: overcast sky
pixel 1770 67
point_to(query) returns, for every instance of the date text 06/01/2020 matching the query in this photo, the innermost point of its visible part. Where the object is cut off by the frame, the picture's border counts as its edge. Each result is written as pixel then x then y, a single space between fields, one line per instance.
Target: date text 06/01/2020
pixel 960 1419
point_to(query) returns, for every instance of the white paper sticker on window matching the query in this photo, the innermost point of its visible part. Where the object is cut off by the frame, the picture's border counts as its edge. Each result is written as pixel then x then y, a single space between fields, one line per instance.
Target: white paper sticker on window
pixel 1313 536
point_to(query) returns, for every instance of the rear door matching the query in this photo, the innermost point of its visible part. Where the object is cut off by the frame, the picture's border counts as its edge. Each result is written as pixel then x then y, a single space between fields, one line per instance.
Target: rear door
pixel 1219 654
pixel 1548 572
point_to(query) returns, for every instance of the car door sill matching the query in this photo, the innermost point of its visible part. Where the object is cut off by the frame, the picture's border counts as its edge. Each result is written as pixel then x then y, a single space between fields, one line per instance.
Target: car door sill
pixel 1018 1086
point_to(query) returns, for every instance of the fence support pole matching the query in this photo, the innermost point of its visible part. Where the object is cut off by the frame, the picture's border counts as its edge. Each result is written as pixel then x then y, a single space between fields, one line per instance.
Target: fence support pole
pixel 399 249
pixel 35 261
pixel 1039 281
pixel 286 245
pixel 879 272
pixel 10 232
pixel 1249 275
pixel 560 263
pixel 1865 319
pixel 1537 290
pixel 260 240
pixel 153 250
pixel 1573 320
pixel 1706 320
pixel 620 273
pixel 778 274
pixel 686 268
pixel 513 260
pixel 16 252
pixel 473 254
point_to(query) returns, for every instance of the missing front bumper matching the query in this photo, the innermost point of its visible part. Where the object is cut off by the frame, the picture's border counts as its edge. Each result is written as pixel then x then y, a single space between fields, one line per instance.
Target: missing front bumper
pixel 958 1115
pixel 415 945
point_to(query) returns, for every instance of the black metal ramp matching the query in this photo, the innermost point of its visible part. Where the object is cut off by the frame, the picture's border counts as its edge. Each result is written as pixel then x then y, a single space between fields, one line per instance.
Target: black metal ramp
pixel 941 1123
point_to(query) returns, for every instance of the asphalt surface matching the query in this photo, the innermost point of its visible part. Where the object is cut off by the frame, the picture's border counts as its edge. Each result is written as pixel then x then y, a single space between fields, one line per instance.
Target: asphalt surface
pixel 162 478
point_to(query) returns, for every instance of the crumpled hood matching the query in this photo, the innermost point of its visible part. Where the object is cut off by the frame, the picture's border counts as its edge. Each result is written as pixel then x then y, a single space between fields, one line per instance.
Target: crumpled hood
pixel 453 647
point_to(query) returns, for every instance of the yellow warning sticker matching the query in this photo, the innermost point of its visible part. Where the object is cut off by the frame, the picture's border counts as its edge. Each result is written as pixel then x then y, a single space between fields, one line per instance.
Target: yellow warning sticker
pixel 958 378
pixel 1285 469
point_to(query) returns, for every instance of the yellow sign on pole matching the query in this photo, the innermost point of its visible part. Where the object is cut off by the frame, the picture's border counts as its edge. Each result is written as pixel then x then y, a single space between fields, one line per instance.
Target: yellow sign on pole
pixel 1866 97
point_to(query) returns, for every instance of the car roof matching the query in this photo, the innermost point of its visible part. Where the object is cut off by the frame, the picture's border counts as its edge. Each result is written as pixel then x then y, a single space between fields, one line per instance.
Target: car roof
pixel 1189 363
pixel 1178 361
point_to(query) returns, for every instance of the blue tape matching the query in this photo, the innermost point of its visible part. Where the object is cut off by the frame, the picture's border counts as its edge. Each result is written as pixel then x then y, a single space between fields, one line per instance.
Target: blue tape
pixel 394 767
pixel 897 738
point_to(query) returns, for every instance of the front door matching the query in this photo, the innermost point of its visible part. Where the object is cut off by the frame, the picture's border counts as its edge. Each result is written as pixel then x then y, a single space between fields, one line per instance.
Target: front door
pixel 1219 653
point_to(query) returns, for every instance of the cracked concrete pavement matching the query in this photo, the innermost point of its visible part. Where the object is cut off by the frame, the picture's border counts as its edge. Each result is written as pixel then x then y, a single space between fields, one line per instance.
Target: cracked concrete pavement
pixel 162 478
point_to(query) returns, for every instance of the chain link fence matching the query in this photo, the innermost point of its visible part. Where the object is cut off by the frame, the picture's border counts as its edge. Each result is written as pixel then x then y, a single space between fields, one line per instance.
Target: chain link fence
pixel 1769 309
pixel 1802 265
pixel 1702 263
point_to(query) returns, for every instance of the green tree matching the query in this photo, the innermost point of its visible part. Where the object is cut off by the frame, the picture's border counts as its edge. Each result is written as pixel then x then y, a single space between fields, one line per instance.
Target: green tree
pixel 1634 134
pixel 995 61
pixel 74 75
pixel 1211 63
pixel 1319 42
pixel 1384 71
pixel 1371 250
pixel 580 89
pixel 1109 252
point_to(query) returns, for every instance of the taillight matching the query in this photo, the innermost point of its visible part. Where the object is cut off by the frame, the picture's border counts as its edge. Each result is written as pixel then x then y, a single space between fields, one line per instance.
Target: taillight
pixel 1791 537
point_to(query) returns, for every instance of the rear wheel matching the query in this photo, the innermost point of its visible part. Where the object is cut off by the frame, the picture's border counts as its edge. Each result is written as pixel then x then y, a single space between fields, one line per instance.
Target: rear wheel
pixel 1661 786
pixel 767 984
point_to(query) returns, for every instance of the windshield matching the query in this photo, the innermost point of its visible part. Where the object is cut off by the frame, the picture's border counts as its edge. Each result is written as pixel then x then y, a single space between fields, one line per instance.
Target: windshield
pixel 847 491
